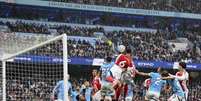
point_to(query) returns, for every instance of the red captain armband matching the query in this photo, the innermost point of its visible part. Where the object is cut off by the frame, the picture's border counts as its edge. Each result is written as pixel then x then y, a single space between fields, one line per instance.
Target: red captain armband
pixel 110 79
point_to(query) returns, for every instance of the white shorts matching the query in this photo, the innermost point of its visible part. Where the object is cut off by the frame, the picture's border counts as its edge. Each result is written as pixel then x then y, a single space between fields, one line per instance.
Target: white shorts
pixel 175 97
pixel 97 96
pixel 116 71
pixel 150 95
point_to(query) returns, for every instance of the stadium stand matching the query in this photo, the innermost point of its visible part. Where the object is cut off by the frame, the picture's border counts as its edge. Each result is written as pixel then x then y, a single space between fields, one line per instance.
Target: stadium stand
pixel 165 5
pixel 146 45
pixel 95 18
pixel 68 16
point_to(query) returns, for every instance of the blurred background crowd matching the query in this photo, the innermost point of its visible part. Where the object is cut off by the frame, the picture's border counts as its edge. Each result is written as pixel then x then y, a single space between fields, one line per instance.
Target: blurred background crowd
pixel 146 45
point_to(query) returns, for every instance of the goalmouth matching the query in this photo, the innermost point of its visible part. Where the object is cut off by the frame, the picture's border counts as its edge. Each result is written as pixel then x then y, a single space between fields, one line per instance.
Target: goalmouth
pixel 32 73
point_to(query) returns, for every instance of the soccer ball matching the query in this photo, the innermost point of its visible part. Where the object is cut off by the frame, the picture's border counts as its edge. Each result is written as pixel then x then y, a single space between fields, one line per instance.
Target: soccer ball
pixel 121 48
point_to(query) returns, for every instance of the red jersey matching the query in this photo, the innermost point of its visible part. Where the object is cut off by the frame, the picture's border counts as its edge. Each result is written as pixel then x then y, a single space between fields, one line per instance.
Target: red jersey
pixel 131 64
pixel 123 61
pixel 96 83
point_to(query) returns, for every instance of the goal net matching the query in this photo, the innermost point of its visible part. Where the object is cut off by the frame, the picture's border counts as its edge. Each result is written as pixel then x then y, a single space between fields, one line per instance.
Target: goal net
pixel 32 73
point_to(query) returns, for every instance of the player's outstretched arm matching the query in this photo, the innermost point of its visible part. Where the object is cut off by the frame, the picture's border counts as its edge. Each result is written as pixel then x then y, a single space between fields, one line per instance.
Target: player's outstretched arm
pixel 142 73
pixel 183 77
pixel 167 78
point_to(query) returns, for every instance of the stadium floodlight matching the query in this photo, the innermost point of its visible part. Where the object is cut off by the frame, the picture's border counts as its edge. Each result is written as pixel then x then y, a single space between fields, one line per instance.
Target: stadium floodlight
pixel 32 73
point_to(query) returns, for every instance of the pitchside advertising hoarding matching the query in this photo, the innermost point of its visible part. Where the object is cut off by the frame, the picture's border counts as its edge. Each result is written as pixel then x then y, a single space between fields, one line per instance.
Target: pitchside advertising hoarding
pixel 99 62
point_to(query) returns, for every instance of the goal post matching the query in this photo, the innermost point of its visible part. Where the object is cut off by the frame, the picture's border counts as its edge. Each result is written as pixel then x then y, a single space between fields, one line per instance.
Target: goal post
pixel 3 80
pixel 32 74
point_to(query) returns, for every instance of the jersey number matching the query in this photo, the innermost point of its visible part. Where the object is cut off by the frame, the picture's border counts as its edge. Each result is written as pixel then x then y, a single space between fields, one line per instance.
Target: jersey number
pixel 158 81
pixel 122 64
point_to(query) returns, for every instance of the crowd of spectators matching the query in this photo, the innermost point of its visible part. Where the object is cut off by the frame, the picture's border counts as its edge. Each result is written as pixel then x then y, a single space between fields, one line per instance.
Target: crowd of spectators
pixel 77 31
pixel 75 17
pixel 145 45
pixel 165 5
pixel 20 26
pixel 85 49
pixel 18 90
pixel 153 46
pixel 94 18
pixel 80 48
pixel 29 28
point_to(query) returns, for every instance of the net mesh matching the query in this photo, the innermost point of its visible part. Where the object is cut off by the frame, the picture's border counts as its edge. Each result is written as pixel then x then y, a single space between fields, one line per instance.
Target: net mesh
pixel 32 76
pixel 14 42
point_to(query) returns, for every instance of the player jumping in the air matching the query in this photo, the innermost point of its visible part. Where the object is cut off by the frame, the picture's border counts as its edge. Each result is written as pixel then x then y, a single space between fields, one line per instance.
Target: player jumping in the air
pixel 183 76
pixel 178 93
pixel 156 85
pixel 106 92
pixel 131 68
pixel 105 68
pixel 105 72
pixel 122 63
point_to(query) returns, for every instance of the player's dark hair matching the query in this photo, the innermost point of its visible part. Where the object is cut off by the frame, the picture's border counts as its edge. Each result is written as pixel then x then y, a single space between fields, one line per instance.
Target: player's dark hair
pixel 78 97
pixel 108 59
pixel 164 73
pixel 182 64
pixel 128 50
pixel 95 70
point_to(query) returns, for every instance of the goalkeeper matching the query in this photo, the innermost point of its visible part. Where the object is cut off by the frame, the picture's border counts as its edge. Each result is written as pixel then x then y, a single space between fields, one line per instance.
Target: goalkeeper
pixel 58 91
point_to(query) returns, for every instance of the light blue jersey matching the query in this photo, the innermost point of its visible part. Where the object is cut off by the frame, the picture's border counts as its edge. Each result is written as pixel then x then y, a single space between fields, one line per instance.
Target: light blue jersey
pixel 156 83
pixel 59 89
pixel 176 87
pixel 88 93
pixel 105 69
pixel 74 95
